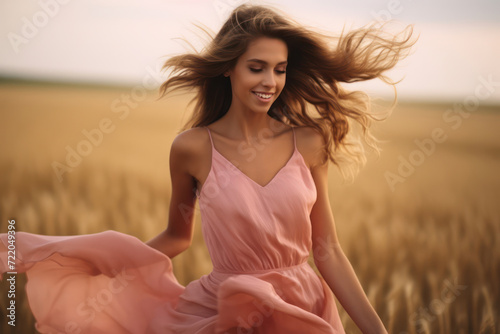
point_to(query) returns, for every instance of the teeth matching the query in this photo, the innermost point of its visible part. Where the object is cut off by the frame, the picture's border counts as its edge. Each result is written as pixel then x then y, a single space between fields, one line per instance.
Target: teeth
pixel 264 96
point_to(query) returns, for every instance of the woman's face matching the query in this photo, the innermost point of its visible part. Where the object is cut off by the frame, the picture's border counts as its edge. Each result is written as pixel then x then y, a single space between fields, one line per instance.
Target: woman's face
pixel 259 75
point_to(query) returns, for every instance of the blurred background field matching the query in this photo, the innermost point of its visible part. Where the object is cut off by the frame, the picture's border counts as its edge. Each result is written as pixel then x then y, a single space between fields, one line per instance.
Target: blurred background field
pixel 424 246
pixel 426 250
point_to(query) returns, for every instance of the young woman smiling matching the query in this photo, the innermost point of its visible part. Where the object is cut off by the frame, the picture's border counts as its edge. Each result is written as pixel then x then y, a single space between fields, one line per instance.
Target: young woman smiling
pixel 256 158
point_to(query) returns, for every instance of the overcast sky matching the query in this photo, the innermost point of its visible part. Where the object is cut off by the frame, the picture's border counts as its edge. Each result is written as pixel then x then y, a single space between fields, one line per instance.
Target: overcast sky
pixel 123 41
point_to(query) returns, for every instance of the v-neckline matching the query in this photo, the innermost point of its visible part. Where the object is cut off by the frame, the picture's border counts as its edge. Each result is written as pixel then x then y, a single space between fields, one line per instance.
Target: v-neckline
pixel 248 177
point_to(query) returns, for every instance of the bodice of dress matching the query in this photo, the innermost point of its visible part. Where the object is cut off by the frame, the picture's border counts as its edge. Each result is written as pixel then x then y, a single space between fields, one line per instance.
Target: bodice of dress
pixel 250 228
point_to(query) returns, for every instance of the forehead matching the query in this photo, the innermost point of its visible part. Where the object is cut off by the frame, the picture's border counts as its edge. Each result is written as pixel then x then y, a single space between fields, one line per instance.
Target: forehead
pixel 272 50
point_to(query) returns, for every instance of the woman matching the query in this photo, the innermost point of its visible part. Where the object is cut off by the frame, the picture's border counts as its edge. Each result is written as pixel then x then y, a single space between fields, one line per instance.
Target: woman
pixel 258 163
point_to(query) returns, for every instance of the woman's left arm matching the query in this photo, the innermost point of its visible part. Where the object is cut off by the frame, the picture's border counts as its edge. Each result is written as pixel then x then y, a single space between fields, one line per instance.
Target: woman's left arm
pixel 333 264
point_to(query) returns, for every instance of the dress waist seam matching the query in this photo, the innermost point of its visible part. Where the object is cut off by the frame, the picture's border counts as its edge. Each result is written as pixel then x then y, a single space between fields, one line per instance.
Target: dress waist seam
pixel 225 271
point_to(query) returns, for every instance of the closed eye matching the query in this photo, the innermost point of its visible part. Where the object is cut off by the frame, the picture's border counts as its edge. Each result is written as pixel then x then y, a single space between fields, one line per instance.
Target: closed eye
pixel 259 70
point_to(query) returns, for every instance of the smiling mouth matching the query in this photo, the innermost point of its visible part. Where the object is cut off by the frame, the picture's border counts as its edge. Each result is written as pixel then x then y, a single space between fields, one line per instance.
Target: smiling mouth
pixel 264 96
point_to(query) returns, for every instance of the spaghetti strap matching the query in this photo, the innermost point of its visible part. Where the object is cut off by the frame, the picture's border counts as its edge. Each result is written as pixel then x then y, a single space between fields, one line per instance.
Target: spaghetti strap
pixel 197 190
pixel 210 135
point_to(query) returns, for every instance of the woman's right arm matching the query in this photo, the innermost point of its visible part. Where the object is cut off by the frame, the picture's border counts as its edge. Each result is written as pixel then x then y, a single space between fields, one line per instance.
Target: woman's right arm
pixel 177 237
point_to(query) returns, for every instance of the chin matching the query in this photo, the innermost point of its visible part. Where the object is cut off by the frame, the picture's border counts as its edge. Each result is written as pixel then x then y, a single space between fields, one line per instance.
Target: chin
pixel 262 109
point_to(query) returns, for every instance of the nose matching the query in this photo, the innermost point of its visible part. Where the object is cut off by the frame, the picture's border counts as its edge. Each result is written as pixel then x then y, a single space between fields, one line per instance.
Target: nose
pixel 269 79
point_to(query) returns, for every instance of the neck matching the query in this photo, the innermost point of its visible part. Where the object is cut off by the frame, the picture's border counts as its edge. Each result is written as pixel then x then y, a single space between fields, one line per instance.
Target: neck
pixel 247 125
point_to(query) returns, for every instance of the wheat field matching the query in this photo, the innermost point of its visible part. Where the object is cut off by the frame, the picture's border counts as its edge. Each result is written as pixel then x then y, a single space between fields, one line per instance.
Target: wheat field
pixel 425 248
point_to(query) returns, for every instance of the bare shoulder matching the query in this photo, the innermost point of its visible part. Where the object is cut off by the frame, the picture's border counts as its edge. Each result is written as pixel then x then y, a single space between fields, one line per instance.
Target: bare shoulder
pixel 189 140
pixel 188 147
pixel 310 143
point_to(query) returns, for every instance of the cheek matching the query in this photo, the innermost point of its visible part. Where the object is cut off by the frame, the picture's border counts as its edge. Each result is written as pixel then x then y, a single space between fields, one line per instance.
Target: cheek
pixel 245 83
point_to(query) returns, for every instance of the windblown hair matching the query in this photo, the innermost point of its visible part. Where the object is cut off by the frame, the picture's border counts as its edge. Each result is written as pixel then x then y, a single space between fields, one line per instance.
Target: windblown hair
pixel 314 73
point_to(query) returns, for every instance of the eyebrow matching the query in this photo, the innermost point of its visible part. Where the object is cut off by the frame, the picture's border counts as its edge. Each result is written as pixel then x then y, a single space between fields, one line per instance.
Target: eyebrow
pixel 265 62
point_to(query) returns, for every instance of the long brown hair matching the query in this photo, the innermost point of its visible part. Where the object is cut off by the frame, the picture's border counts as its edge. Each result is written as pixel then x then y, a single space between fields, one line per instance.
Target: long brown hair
pixel 314 73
